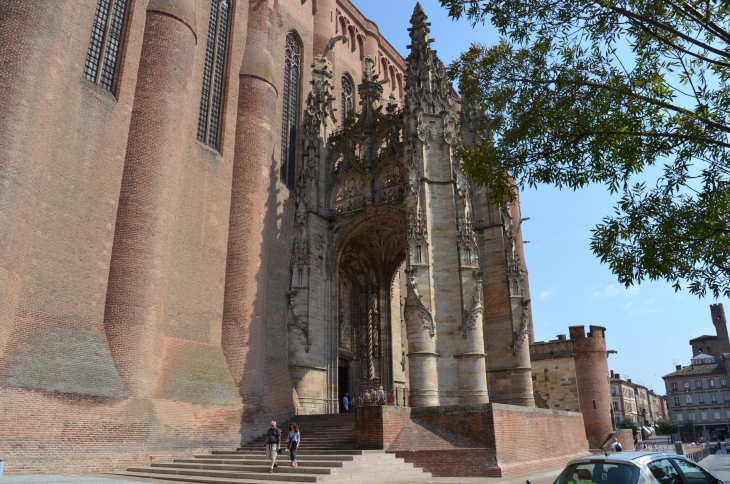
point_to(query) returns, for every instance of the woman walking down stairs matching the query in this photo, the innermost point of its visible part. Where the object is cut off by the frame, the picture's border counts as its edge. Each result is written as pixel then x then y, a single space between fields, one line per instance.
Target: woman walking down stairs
pixel 327 455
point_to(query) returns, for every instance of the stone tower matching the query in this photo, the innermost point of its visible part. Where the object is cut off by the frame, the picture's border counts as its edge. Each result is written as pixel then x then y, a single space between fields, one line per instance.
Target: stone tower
pixel 591 365
pixel 443 308
pixel 718 319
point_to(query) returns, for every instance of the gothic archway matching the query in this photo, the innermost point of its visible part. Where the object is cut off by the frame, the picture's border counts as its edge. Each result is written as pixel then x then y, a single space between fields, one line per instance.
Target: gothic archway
pixel 369 321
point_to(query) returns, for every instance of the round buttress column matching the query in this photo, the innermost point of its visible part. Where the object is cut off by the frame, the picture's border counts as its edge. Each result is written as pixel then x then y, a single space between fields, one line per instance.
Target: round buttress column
pixel 143 237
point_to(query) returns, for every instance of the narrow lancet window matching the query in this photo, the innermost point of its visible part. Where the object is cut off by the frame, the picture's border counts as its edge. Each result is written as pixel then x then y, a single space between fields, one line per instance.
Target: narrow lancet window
pixel 347 100
pixel 213 75
pixel 105 42
pixel 290 110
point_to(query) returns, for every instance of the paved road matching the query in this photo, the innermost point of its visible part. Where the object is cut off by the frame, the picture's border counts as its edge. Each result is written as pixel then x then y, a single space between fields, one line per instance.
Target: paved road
pixel 718 464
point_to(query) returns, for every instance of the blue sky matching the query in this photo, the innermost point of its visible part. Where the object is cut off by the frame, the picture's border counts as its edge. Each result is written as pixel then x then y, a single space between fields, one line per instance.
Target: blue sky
pixel 649 325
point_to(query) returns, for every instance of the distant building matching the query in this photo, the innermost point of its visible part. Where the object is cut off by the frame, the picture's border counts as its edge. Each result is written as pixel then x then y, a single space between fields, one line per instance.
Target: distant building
pixel 699 392
pixel 636 401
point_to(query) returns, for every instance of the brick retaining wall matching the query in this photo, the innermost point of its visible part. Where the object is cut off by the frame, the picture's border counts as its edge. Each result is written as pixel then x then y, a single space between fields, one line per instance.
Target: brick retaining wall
pixel 491 440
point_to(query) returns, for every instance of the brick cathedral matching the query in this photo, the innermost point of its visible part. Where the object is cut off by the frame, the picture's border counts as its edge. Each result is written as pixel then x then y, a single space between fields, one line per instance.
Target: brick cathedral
pixel 218 212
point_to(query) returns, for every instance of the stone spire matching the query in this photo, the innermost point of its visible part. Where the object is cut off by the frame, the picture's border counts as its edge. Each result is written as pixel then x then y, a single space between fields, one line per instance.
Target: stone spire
pixel 427 87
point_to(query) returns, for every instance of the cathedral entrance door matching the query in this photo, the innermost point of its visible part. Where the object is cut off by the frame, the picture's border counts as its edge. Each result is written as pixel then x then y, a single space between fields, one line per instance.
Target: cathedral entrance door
pixel 369 308
pixel 343 381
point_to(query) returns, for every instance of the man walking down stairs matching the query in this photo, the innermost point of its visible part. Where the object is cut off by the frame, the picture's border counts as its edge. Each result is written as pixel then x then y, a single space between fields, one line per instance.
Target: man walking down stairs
pixel 327 454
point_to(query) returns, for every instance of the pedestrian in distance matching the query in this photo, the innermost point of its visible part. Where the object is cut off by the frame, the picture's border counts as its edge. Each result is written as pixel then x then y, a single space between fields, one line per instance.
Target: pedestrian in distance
pixel 616 446
pixel 273 444
pixel 293 444
pixel 346 402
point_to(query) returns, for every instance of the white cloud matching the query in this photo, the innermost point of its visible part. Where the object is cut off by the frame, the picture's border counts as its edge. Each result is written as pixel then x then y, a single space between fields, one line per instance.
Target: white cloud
pixel 546 294
pixel 651 301
pixel 627 305
pixel 613 290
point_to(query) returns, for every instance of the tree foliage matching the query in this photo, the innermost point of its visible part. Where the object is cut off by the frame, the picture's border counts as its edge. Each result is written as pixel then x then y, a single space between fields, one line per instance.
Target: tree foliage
pixel 629 423
pixel 667 426
pixel 632 94
pixel 688 427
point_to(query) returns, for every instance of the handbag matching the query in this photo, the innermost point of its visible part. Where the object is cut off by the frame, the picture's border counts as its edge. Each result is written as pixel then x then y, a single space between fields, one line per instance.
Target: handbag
pixel 288 445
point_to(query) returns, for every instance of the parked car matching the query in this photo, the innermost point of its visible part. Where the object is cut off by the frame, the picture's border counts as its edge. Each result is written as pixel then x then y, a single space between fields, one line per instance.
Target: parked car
pixel 636 468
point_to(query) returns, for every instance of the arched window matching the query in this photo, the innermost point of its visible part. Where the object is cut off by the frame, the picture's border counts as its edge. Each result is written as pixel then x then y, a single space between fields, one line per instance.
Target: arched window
pixel 347 99
pixel 290 111
pixel 106 38
pixel 213 72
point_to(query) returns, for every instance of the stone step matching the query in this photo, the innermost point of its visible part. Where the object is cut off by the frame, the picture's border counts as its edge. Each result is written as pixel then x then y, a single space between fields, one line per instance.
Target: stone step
pixel 323 462
pixel 264 461
pixel 194 479
pixel 164 472
pixel 304 451
pixel 286 467
pixel 356 454
pixel 247 467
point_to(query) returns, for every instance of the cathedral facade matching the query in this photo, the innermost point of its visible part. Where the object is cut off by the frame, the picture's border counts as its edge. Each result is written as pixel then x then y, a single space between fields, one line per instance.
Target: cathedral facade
pixel 218 212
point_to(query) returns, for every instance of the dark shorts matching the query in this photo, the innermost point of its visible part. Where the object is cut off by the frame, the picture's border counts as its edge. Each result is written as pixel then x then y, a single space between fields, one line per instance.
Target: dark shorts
pixel 293 451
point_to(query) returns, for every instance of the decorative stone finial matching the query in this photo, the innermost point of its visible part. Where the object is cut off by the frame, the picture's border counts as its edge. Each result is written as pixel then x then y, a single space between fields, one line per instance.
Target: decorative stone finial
pixel 427 87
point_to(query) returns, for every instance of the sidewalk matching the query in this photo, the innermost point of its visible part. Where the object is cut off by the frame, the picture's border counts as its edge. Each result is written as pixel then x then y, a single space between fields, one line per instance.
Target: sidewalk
pixel 541 477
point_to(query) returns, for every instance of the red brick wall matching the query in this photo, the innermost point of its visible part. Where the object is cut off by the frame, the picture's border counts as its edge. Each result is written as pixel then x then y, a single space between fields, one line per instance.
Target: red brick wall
pixel 378 427
pixel 507 439
pixel 64 404
pixel 624 436
pixel 49 432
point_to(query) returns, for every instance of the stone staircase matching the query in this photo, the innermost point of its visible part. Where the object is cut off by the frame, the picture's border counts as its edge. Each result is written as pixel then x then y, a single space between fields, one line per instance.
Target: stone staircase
pixel 328 455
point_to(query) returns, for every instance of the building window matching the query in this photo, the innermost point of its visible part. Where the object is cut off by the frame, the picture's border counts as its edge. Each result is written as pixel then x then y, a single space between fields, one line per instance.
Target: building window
pixel 698 384
pixel 691 416
pixel 676 401
pixel 213 75
pixel 703 416
pixel 717 416
pixel 347 98
pixel 689 400
pixel 727 414
pixel 615 405
pixel 291 110
pixel 613 391
pixel 713 398
pixel 711 383
pixel 106 38
pixel 680 418
pixel 723 382
pixel 686 385
pixel 674 386
pixel 701 399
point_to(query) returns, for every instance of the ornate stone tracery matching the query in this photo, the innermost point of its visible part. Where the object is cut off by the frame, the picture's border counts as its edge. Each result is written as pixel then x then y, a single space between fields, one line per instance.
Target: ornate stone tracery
pixel 386 190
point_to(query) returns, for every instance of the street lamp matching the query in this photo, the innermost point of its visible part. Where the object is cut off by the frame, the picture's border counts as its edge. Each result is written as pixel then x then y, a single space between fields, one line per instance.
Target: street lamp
pixel 689 399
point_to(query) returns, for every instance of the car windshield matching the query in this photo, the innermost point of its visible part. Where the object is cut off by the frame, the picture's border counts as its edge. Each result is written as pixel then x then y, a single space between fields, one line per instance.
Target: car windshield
pixel 599 473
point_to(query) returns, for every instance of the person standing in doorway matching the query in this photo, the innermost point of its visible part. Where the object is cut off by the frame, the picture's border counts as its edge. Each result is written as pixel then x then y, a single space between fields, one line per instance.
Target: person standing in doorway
pixel 273 444
pixel 346 402
pixel 293 445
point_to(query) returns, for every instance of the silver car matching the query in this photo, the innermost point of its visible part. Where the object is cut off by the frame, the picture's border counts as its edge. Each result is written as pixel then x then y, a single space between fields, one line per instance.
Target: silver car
pixel 635 468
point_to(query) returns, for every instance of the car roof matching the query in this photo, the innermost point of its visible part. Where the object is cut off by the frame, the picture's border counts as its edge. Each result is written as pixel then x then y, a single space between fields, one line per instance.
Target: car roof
pixel 630 458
